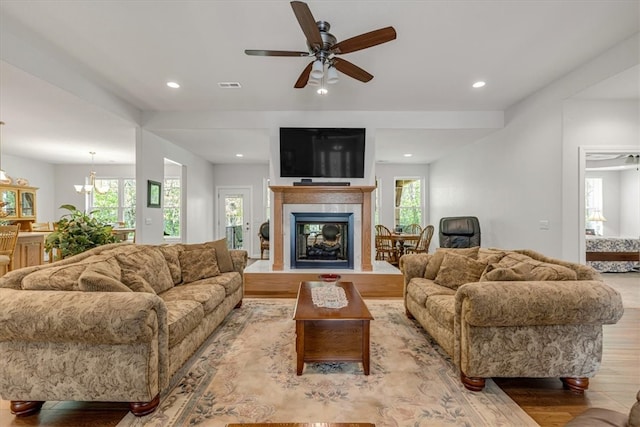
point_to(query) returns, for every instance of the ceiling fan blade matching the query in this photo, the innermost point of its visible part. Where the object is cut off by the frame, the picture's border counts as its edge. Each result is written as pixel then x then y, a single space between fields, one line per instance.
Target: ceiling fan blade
pixel 351 70
pixel 365 40
pixel 255 52
pixel 308 24
pixel 304 77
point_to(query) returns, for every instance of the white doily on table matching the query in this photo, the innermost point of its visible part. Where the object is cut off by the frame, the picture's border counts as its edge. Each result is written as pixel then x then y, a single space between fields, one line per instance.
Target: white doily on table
pixel 329 297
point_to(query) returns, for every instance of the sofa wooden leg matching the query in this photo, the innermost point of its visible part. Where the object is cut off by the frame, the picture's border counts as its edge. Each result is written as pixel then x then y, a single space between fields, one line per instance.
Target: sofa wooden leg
pixel 24 408
pixel 140 409
pixel 472 383
pixel 239 304
pixel 409 315
pixel 576 385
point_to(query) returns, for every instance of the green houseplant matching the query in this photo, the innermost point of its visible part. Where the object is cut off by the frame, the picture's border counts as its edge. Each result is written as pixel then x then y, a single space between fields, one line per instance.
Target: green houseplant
pixel 76 232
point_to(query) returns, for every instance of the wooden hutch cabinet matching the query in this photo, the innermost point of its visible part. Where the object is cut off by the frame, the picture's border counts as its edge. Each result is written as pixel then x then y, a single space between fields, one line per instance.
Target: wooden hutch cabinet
pixel 19 205
pixel 20 208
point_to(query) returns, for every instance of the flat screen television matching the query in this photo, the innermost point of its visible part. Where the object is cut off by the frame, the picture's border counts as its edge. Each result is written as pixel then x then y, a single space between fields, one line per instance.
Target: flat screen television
pixel 322 152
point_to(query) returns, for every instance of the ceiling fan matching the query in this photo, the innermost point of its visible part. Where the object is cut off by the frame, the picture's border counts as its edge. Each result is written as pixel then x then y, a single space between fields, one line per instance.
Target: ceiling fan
pixel 324 48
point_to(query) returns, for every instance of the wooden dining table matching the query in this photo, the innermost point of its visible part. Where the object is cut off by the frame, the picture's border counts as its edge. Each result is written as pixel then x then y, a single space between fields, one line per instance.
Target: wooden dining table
pixel 400 238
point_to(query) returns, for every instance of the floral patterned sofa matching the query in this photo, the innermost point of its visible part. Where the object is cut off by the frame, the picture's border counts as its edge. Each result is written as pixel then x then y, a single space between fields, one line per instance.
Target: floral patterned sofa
pixel 502 313
pixel 114 323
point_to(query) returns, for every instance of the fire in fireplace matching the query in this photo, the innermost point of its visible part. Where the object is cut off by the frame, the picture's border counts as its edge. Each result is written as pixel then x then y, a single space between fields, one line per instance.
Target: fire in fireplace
pixel 321 240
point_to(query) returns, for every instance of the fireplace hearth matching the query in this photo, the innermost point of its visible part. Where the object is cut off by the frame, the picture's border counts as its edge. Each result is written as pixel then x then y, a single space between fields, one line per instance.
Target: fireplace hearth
pixel 321 240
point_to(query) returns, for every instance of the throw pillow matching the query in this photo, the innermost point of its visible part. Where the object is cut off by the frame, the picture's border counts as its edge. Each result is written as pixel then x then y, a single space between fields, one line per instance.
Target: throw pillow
pixel 96 278
pixel 456 270
pixel 198 264
pixel 225 263
pixel 170 253
pixel 150 264
pixel 495 273
pixel 136 282
pixel 431 271
pixel 536 270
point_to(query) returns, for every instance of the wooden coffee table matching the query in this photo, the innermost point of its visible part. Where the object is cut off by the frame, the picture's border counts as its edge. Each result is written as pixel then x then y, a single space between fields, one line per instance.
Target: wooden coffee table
pixel 331 334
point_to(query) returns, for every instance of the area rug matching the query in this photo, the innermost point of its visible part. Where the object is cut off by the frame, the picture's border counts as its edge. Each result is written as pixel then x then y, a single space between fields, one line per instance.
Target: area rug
pixel 246 372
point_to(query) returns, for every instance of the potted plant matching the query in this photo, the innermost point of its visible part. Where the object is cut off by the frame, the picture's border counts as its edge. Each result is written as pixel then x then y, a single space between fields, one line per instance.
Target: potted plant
pixel 76 232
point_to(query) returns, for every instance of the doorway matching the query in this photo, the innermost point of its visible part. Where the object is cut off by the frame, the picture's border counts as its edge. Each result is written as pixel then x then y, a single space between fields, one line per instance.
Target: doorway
pixel 234 217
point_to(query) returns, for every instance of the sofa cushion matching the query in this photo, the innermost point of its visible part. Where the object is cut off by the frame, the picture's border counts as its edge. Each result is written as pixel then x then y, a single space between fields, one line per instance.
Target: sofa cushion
pixel 183 316
pixel 442 308
pixel 431 271
pixel 101 277
pixel 136 282
pixel 210 296
pixel 171 255
pixel 229 281
pixel 456 270
pixel 198 264
pixel 490 255
pixel 532 269
pixel 420 290
pixel 150 264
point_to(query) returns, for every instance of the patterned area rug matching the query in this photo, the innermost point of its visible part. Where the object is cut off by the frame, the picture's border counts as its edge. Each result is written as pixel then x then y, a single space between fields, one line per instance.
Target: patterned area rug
pixel 246 372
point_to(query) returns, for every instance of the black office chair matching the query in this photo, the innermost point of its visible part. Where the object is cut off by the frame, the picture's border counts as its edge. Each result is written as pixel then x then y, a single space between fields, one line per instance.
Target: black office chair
pixel 459 232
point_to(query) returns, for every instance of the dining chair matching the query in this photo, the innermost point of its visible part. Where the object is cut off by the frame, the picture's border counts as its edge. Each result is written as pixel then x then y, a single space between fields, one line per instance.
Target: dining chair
pixel 263 234
pixel 412 229
pixel 8 241
pixel 385 246
pixel 422 247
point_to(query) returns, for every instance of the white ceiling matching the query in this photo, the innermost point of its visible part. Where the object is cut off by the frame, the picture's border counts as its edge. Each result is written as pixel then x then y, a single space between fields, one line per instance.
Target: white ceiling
pixel 133 47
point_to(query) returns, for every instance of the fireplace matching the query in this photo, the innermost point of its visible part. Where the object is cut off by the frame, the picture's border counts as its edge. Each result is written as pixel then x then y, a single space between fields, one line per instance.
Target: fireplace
pixel 355 200
pixel 321 240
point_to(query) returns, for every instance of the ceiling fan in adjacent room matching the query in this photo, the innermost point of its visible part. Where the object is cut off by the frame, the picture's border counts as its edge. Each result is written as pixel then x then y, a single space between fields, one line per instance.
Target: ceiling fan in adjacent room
pixel 324 48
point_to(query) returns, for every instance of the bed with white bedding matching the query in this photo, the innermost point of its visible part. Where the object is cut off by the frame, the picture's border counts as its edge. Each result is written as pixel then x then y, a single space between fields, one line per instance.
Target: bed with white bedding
pixel 613 254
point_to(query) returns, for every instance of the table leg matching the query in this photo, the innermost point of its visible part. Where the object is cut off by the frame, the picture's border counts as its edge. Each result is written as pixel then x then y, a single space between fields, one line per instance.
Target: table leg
pixel 299 346
pixel 365 346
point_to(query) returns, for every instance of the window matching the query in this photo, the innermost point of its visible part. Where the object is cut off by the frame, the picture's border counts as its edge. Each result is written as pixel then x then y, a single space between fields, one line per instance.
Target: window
pixel 593 206
pixel 117 204
pixel 171 207
pixel 376 207
pixel 267 198
pixel 408 201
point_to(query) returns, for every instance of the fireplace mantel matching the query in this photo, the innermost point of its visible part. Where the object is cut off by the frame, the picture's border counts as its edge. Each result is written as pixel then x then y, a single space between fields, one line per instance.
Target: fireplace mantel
pixel 360 195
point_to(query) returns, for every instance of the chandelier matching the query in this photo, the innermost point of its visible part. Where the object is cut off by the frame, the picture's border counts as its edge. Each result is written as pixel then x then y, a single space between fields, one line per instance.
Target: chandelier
pixel 89 185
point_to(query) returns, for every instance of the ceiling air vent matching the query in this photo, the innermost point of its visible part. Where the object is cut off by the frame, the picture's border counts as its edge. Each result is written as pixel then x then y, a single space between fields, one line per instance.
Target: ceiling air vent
pixel 229 85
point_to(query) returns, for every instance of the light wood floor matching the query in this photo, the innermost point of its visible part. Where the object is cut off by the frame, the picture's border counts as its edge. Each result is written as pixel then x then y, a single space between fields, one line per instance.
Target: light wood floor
pixel 614 387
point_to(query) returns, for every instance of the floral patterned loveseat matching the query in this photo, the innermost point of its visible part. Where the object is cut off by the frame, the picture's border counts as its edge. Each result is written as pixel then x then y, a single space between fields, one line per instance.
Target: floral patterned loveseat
pixel 501 313
pixel 114 323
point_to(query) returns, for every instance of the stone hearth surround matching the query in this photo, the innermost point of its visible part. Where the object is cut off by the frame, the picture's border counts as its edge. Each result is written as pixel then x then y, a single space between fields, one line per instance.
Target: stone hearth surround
pixel 288 199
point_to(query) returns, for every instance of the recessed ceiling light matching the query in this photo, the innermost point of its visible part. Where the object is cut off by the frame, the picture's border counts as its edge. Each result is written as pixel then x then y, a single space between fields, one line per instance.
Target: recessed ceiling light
pixel 239 155
pixel 479 84
pixel 173 85
pixel 407 154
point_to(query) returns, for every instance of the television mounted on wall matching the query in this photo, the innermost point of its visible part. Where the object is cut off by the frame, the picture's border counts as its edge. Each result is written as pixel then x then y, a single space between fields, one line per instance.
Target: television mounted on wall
pixel 322 152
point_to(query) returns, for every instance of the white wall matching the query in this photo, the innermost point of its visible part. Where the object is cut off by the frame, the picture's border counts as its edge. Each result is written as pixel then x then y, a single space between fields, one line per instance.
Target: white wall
pixel 198 182
pixel 630 203
pixel 522 181
pixel 40 175
pixel 611 200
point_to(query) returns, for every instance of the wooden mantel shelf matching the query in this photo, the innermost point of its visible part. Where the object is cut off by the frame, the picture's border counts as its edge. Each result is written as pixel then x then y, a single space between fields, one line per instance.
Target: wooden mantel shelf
pixel 284 195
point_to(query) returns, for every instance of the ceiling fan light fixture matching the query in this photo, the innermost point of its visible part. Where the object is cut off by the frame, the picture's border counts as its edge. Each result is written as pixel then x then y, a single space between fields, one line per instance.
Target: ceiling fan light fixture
pixel 322 90
pixel 317 70
pixel 332 75
pixel 313 82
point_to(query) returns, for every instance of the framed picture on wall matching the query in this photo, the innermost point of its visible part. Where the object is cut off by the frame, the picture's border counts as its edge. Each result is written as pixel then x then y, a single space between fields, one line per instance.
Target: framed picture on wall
pixel 154 190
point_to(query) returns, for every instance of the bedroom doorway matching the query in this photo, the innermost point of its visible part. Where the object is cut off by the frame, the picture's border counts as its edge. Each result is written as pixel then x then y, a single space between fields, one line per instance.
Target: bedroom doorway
pixel 609 186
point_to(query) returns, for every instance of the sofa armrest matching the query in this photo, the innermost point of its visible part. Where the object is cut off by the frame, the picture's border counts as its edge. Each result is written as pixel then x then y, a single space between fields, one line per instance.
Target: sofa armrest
pixel 88 317
pixel 239 258
pixel 537 303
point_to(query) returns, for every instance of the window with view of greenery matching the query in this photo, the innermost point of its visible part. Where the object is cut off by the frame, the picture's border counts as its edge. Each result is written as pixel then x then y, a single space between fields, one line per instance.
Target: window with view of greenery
pixel 408 201
pixel 172 206
pixel 117 204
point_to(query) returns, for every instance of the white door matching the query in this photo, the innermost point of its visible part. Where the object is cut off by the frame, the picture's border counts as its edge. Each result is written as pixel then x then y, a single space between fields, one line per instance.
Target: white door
pixel 234 217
